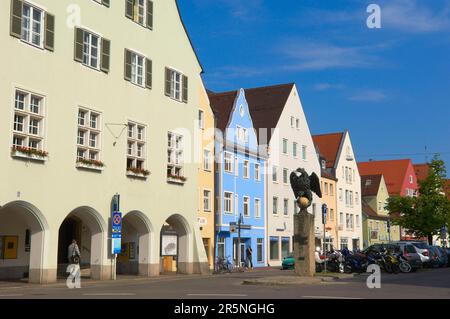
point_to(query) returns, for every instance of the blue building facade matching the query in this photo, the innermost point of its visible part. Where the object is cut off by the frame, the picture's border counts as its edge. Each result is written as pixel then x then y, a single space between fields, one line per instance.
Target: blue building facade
pixel 240 183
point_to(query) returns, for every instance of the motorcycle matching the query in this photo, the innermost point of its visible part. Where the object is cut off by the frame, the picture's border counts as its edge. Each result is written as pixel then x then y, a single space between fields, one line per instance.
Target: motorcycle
pixel 403 264
pixel 355 263
pixel 335 262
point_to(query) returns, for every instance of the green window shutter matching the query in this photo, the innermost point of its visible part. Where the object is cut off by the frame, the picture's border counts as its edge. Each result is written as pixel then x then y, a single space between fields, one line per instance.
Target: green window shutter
pixel 106 55
pixel 150 14
pixel 105 3
pixel 129 11
pixel 79 33
pixel 127 65
pixel 148 73
pixel 16 18
pixel 49 32
pixel 168 85
pixel 185 89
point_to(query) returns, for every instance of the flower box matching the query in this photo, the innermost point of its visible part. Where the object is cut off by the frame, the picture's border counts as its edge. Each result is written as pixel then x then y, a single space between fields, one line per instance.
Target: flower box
pixel 136 172
pixel 176 179
pixel 90 164
pixel 28 153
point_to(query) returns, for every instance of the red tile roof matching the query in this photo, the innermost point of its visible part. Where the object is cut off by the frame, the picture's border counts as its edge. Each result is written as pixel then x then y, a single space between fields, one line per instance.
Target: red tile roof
pixel 370 184
pixel 265 103
pixel 447 188
pixel 394 172
pixel 328 146
pixel 422 171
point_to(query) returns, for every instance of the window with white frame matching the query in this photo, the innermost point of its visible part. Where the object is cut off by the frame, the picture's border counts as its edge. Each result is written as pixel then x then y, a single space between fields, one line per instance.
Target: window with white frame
pixel 28 125
pixel 411 179
pixel 246 169
pixel 292 121
pixel 91 45
pixel 88 139
pixel 136 152
pixel 257 172
pixel 221 247
pixel 207 160
pixel 357 220
pixel 137 69
pixel 331 214
pixel 331 190
pixel 259 250
pixel 175 155
pixel 275 205
pixel 285 176
pixel 228 203
pixel 326 189
pixel 274 174
pixel 257 208
pixel 347 221
pixel 201 119
pixel 294 149
pixel 285 146
pixel 242 134
pixel 357 198
pixel 228 162
pixel 304 152
pixel 176 79
pixel 286 207
pixel 32 25
pixel 206 200
pixel 340 194
pixel 246 206
pixel 297 124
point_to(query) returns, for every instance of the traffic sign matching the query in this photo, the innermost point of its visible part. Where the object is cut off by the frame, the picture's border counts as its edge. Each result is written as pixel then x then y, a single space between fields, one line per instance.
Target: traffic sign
pixel 116 222
pixel 324 213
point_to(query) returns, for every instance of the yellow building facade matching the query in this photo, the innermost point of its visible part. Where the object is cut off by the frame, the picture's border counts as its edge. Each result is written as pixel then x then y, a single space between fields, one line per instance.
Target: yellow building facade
pixel 206 173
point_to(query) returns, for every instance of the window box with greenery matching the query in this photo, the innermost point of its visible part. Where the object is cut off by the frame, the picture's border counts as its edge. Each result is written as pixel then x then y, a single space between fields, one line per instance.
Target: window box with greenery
pixel 29 153
pixel 137 172
pixel 90 164
pixel 176 179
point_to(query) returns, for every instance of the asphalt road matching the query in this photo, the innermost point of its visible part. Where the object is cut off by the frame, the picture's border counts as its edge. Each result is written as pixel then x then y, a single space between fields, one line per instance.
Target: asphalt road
pixel 433 284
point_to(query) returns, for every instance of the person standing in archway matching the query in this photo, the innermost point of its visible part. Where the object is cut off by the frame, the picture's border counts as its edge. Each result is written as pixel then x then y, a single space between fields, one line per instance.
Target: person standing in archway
pixel 73 253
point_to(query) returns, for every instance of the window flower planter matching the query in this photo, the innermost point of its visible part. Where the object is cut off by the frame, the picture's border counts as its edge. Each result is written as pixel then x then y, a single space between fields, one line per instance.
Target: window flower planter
pixel 137 172
pixel 29 153
pixel 176 179
pixel 90 164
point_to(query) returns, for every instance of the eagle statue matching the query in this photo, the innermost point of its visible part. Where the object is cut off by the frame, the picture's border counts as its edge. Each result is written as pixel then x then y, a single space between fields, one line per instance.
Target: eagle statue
pixel 302 184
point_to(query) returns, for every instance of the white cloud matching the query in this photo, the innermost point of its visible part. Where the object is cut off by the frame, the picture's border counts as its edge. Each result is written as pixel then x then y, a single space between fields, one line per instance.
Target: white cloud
pixel 368 96
pixel 328 86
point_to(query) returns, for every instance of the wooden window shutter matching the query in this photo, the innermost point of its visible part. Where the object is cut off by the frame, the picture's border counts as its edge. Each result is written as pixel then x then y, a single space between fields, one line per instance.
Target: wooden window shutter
pixel 168 82
pixel 127 65
pixel 149 14
pixel 105 3
pixel 148 73
pixel 185 89
pixel 49 32
pixel 106 55
pixel 129 11
pixel 79 33
pixel 16 18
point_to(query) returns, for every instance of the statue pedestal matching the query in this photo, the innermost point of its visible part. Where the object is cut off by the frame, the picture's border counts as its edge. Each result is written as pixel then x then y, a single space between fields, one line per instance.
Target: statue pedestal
pixel 304 241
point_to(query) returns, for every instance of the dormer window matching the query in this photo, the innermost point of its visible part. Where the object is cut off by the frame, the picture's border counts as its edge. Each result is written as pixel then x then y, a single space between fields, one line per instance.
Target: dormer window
pixel 324 164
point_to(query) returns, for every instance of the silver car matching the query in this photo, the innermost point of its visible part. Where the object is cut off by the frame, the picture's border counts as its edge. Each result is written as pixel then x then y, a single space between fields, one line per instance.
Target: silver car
pixel 421 248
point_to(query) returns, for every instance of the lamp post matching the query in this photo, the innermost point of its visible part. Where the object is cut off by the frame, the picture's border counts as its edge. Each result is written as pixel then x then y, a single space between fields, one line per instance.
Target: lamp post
pixel 239 241
pixel 324 222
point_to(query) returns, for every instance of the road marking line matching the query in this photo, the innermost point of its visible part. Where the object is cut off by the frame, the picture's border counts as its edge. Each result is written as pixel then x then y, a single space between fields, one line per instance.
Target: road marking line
pixel 219 295
pixel 329 297
pixel 12 295
pixel 110 294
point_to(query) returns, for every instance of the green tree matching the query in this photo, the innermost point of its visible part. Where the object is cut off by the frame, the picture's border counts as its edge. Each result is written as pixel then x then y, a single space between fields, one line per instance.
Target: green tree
pixel 426 214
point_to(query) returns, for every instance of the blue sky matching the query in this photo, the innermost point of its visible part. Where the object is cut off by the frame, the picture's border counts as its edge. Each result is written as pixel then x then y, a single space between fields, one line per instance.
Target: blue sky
pixel 390 87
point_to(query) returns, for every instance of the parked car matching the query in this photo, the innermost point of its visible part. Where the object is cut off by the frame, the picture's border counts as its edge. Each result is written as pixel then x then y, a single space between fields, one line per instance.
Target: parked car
pixel 288 262
pixel 410 253
pixel 442 256
pixel 421 248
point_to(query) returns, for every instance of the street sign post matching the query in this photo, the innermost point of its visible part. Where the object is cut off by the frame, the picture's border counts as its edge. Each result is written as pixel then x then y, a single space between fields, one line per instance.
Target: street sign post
pixel 116 232
pixel 324 222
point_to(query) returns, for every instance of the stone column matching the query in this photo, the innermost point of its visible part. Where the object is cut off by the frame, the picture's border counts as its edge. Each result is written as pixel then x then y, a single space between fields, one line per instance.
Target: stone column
pixel 305 264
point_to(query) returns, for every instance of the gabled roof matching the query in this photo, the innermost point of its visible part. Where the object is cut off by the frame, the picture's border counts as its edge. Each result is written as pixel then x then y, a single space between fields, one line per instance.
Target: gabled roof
pixel 394 172
pixel 266 104
pixel 328 146
pixel 370 184
pixel 422 171
pixel 366 209
pixel 222 105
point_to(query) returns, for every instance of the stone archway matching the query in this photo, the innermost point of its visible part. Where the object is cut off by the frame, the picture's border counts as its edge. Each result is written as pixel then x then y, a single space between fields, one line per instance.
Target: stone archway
pixel 176 241
pixel 137 251
pixel 26 235
pixel 87 226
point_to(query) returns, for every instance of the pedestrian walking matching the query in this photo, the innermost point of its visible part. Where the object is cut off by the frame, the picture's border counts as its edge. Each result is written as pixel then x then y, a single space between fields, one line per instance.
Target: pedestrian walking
pixel 73 253
pixel 249 257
